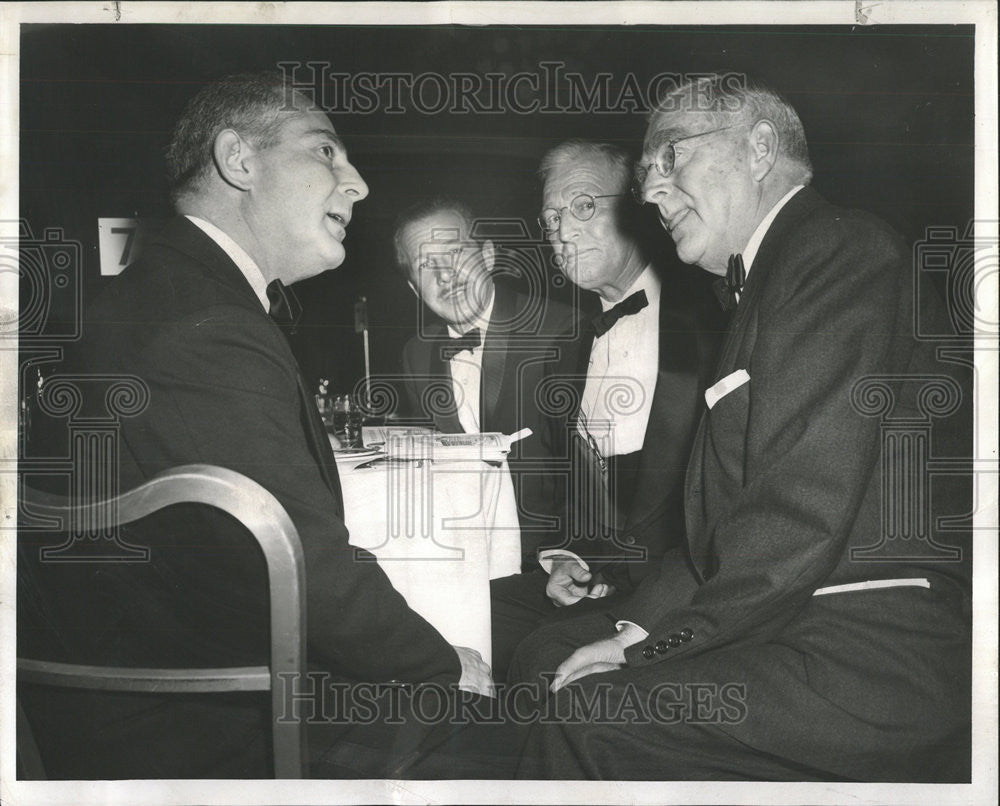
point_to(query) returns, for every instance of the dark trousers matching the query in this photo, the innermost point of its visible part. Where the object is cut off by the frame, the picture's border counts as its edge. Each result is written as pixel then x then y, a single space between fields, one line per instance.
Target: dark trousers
pixel 519 606
pixel 869 686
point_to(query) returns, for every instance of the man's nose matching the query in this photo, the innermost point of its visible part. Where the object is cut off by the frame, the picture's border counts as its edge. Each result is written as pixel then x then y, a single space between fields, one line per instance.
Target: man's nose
pixel 444 273
pixel 653 185
pixel 350 183
pixel 569 227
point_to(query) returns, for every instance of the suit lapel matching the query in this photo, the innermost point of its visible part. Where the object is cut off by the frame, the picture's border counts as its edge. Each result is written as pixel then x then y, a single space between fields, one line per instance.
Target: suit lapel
pixel 494 364
pixel 671 395
pixel 736 350
pixel 443 409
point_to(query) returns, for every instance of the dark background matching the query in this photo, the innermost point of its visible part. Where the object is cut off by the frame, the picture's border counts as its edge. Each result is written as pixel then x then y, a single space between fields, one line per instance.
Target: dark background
pixel 888 112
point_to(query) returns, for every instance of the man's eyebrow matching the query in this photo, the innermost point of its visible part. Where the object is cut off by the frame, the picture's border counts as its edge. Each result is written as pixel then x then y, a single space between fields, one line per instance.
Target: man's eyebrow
pixel 329 134
pixel 663 136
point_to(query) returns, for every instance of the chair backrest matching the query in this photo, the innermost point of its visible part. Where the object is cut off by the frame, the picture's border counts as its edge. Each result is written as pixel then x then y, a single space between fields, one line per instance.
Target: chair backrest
pixel 258 511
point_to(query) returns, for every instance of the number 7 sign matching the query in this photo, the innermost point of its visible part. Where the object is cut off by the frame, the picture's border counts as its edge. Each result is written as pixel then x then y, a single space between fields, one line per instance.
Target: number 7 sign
pixel 120 241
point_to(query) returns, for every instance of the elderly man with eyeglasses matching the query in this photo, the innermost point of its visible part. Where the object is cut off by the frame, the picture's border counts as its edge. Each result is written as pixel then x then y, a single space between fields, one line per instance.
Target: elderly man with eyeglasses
pixel 815 623
pixel 652 346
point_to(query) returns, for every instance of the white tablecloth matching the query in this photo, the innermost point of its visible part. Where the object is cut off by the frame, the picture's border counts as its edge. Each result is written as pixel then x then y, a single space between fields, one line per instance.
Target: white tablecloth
pixel 440 532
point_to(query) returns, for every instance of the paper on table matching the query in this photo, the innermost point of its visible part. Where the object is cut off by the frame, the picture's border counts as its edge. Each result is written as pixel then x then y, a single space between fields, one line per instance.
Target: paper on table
pixel 488 447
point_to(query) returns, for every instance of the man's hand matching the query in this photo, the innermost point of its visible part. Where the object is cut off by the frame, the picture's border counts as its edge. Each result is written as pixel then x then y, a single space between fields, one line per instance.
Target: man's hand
pixel 476 675
pixel 569 582
pixel 601 656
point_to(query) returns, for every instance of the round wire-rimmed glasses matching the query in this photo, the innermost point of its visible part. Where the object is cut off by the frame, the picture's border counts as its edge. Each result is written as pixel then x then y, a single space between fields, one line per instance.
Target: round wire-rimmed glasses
pixel 663 162
pixel 581 207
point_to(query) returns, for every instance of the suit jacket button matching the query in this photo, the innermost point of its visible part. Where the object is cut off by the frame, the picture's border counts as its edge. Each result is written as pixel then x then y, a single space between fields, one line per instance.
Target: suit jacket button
pixel 630 540
pixel 661 647
pixel 674 639
pixel 687 634
pixel 648 652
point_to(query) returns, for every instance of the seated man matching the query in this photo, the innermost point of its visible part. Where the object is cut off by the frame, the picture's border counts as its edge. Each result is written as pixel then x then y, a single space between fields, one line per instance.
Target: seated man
pixel 479 364
pixel 801 631
pixel 651 351
pixel 264 192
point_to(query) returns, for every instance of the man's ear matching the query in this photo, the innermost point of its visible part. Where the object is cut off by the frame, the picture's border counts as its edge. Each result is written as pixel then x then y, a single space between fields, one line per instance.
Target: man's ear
pixel 489 254
pixel 764 142
pixel 413 288
pixel 230 153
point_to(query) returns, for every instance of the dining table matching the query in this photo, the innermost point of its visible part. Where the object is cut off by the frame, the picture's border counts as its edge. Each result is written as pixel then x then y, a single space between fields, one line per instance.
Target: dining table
pixel 440 530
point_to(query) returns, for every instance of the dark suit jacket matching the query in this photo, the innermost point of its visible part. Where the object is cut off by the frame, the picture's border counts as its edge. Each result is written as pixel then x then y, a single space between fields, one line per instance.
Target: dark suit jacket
pixel 224 389
pixel 691 326
pixel 527 339
pixel 784 486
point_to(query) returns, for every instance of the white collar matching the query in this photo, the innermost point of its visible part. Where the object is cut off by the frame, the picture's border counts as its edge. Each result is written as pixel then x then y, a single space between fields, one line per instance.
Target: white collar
pixel 482 321
pixel 250 270
pixel 646 281
pixel 753 245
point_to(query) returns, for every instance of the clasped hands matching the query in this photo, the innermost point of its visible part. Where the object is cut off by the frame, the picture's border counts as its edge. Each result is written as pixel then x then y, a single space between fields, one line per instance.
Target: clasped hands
pixel 569 582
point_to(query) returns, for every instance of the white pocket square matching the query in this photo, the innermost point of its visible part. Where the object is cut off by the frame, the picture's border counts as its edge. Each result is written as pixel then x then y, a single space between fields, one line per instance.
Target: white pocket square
pixel 732 381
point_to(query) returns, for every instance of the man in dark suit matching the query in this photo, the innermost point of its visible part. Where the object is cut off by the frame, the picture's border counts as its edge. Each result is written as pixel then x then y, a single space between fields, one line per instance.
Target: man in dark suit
pixel 264 192
pixel 651 348
pixel 790 637
pixel 479 363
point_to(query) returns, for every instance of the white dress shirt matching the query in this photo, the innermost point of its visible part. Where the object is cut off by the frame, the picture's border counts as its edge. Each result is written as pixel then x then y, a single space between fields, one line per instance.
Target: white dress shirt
pixel 621 375
pixel 243 261
pixel 467 371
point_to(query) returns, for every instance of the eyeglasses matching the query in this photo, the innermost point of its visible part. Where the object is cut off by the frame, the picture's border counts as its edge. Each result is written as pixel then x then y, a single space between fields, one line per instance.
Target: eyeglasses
pixel 663 162
pixel 445 258
pixel 582 208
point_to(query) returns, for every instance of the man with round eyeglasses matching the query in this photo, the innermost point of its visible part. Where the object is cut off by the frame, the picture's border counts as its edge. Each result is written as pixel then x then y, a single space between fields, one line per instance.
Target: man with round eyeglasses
pixel 796 634
pixel 652 341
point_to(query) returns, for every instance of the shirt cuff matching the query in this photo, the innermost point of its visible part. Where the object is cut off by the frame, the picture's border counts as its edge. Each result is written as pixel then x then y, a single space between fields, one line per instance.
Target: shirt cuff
pixel 620 625
pixel 545 559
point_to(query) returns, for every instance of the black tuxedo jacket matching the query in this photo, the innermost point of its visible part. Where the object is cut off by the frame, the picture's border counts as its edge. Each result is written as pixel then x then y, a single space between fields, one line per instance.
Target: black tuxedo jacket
pixel 526 341
pixel 224 389
pixel 633 541
pixel 784 489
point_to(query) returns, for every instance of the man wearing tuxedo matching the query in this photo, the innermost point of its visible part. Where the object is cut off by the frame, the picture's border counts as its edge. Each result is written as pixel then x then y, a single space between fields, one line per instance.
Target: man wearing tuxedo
pixel 652 345
pixel 264 193
pixel 478 365
pixel 790 637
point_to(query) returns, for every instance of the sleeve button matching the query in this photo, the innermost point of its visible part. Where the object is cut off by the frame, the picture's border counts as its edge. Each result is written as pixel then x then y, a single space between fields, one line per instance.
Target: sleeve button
pixel 648 652
pixel 661 647
pixel 674 639
pixel 687 634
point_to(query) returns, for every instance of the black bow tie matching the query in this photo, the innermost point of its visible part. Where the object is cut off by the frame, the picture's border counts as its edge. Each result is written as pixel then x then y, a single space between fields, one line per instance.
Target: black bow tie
pixel 285 307
pixel 450 347
pixel 628 306
pixel 729 287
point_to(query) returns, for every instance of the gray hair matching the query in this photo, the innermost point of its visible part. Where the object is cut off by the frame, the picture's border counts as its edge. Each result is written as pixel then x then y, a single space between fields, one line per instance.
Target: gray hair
pixel 249 103
pixel 723 95
pixel 572 151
